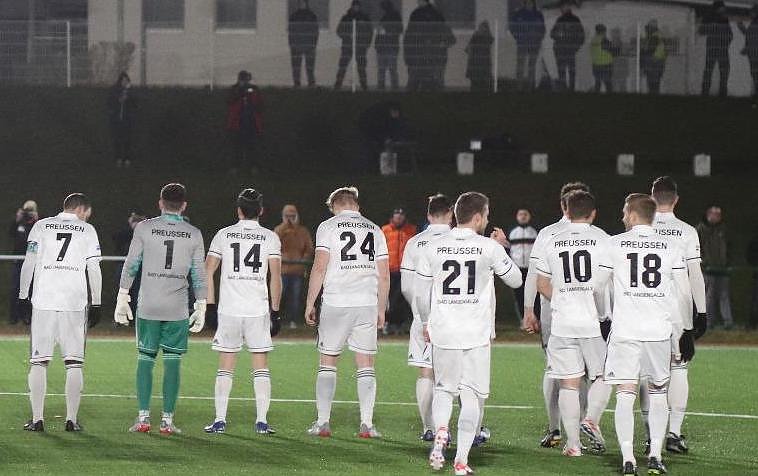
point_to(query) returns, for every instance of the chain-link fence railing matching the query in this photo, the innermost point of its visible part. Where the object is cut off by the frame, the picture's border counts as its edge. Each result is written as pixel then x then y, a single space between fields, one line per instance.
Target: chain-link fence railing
pixel 587 54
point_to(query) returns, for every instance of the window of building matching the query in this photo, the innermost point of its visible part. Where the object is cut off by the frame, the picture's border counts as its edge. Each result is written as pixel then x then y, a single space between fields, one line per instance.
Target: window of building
pixel 459 14
pixel 236 14
pixel 163 13
pixel 319 7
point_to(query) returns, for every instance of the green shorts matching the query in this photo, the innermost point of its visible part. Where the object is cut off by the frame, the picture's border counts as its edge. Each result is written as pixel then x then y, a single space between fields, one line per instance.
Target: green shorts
pixel 170 336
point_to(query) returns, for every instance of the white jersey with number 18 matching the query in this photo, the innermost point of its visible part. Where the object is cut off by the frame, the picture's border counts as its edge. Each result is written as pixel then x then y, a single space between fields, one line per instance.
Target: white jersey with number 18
pixel 354 244
pixel 644 292
pixel 244 250
pixel 462 266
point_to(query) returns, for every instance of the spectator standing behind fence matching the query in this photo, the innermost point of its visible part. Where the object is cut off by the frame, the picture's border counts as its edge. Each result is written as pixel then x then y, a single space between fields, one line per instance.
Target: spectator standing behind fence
pixel 751 48
pixel 26 217
pixel 718 35
pixel 122 107
pixel 363 35
pixel 122 239
pixel 603 51
pixel 527 25
pixel 427 39
pixel 752 260
pixel 479 64
pixel 387 45
pixel 653 57
pixel 714 250
pixel 302 33
pixel 520 243
pixel 397 232
pixel 297 245
pixel 568 38
pixel 244 121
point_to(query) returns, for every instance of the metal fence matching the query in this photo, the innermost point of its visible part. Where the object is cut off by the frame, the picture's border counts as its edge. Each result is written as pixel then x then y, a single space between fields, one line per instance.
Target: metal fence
pixel 629 56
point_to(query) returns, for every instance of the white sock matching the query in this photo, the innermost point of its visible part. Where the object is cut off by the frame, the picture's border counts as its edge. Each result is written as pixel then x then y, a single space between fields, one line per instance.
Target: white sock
pixel 625 424
pixel 659 416
pixel 143 414
pixel 442 409
pixel 550 389
pixel 424 398
pixel 467 424
pixel 584 388
pixel 326 384
pixel 480 423
pixel 38 389
pixel 568 401
pixel 597 400
pixel 645 406
pixel 167 417
pixel 679 389
pixel 224 380
pixel 262 389
pixel 74 385
pixel 366 381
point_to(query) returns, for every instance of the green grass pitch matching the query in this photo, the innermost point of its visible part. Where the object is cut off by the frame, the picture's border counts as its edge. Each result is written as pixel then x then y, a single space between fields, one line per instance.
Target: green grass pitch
pixel 722 382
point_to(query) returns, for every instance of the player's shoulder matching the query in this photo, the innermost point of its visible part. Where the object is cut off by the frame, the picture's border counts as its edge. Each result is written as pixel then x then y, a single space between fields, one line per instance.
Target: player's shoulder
pixel 599 232
pixel 551 229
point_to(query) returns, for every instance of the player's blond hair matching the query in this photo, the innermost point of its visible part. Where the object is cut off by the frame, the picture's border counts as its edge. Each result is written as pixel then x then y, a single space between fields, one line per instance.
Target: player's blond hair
pixel 343 195
pixel 641 204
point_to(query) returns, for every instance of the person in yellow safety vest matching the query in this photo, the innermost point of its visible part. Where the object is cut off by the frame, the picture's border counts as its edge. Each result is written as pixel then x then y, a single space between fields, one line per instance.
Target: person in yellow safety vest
pixel 603 52
pixel 653 57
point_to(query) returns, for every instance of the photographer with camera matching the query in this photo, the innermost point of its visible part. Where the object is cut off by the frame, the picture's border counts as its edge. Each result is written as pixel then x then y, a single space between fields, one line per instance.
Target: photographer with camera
pixel 244 120
pixel 26 217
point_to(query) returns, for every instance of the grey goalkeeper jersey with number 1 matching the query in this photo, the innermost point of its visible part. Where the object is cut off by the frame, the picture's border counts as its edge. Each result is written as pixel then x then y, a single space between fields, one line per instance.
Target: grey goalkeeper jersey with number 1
pixel 170 252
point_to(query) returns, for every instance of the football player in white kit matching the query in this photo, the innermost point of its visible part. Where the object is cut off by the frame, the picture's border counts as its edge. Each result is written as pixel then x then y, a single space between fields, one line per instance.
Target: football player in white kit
pixel 63 260
pixel 351 265
pixel 568 268
pixel 440 215
pixel 454 298
pixel 249 255
pixel 666 196
pixel 550 386
pixel 647 270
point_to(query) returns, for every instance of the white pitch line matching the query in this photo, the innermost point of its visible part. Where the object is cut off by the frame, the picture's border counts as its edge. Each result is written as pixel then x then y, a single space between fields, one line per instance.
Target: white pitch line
pixel 353 402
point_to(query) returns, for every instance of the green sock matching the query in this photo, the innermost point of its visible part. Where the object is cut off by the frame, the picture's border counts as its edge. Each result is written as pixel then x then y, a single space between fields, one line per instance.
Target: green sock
pixel 145 364
pixel 171 364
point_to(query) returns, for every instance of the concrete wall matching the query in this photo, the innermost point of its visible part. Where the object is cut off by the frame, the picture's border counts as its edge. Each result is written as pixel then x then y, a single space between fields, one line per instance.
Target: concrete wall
pixel 200 55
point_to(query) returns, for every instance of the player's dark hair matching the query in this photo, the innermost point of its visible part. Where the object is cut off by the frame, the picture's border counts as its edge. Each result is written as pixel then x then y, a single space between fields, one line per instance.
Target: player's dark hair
pixel 664 190
pixel 439 205
pixel 468 205
pixel 580 204
pixel 173 195
pixel 641 204
pixel 76 200
pixel 250 202
pixel 571 187
pixel 343 196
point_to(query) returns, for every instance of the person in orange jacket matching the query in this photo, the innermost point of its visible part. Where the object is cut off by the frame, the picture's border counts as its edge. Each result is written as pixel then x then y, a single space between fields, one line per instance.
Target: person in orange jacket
pixel 397 232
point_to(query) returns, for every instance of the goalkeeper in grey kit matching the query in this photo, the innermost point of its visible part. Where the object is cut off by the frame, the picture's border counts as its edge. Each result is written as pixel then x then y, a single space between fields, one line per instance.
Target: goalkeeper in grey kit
pixel 169 250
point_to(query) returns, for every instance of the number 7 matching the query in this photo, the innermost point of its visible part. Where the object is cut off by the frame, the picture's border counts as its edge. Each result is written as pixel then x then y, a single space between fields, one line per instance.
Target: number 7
pixel 66 237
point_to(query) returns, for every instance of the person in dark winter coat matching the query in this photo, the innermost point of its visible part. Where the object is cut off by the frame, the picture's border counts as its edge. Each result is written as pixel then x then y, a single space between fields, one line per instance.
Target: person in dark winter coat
pixel 751 48
pixel 527 25
pixel 26 217
pixel 303 37
pixel 244 120
pixel 718 35
pixel 427 40
pixel 387 44
pixel 122 107
pixel 714 250
pixel 752 260
pixel 364 34
pixel 479 65
pixel 568 37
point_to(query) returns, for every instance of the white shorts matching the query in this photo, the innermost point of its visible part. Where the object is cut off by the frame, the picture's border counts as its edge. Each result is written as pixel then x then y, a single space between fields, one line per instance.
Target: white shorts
pixel 354 326
pixel 546 320
pixel 233 331
pixel 455 369
pixel 571 357
pixel 419 350
pixel 68 329
pixel 631 360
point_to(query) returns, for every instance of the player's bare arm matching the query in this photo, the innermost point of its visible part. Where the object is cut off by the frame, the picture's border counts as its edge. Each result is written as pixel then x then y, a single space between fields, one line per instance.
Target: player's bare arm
pixel 316 281
pixel 544 287
pixel 275 282
pixel 211 266
pixel 383 270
